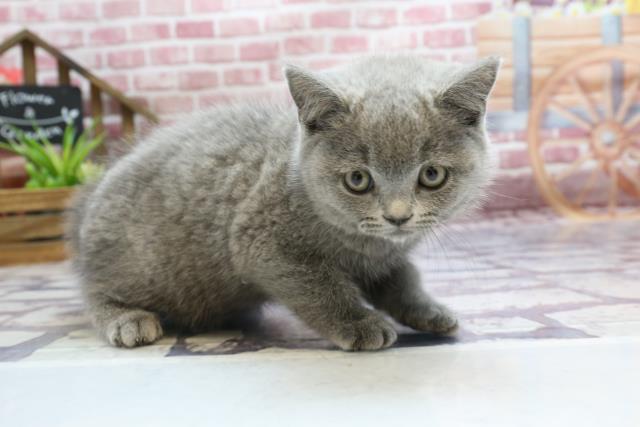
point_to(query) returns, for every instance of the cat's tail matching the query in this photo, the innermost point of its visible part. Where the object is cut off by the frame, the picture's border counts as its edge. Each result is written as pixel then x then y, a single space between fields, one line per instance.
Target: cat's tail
pixel 75 216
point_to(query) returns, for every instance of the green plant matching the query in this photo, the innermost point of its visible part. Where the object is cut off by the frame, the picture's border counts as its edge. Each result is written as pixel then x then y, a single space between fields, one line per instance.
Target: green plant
pixel 49 167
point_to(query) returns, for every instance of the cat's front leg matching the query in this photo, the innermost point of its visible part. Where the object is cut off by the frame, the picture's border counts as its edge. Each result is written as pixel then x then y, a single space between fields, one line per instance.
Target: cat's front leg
pixel 401 295
pixel 331 305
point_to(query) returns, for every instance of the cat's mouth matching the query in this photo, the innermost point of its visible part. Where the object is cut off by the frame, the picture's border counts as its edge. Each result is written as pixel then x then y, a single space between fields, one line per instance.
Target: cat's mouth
pixel 370 227
pixel 401 232
pixel 392 233
pixel 401 235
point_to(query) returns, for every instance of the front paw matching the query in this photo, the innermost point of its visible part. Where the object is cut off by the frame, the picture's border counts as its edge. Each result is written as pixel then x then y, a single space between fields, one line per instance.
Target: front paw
pixel 432 317
pixel 133 329
pixel 371 333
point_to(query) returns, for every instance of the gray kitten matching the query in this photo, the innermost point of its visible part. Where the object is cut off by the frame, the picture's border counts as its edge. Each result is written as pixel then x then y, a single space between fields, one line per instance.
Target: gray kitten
pixel 209 219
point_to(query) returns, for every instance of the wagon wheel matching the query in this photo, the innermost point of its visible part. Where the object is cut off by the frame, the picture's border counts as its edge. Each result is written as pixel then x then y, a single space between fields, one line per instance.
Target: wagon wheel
pixel 584 136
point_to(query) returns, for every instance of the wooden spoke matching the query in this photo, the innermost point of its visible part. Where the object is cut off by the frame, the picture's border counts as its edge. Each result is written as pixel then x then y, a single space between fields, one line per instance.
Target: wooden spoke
pixel 635 153
pixel 613 190
pixel 630 95
pixel 635 143
pixel 630 175
pixel 633 122
pixel 569 115
pixel 592 111
pixel 607 92
pixel 586 190
pixel 573 167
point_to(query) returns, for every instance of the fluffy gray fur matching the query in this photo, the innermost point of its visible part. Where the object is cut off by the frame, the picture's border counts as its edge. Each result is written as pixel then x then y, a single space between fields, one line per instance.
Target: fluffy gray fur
pixel 208 219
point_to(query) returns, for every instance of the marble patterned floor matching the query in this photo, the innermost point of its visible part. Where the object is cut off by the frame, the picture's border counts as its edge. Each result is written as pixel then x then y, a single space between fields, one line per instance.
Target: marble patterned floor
pixel 525 276
pixel 550 336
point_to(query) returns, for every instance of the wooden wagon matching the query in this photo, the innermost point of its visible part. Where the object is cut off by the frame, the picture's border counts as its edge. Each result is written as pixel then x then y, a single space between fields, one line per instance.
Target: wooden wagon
pixel 573 84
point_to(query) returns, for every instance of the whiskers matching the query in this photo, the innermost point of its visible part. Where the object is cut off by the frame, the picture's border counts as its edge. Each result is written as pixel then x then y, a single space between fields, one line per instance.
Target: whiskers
pixel 370 225
pixel 378 227
pixel 505 196
pixel 428 216
pixel 427 220
pixel 445 242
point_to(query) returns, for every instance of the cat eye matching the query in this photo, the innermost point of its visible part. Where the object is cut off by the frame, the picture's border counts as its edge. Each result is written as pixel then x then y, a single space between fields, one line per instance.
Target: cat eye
pixel 358 181
pixel 433 177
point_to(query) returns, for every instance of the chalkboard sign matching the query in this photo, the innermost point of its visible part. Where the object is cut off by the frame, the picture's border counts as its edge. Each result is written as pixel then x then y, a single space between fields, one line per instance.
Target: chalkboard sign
pixel 46 108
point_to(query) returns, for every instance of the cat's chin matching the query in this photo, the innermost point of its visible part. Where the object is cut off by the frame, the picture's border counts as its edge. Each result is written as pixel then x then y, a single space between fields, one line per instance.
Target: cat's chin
pixel 399 237
pixel 402 236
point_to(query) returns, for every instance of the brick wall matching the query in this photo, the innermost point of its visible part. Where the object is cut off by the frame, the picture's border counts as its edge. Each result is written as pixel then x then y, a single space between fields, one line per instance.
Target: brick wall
pixel 180 55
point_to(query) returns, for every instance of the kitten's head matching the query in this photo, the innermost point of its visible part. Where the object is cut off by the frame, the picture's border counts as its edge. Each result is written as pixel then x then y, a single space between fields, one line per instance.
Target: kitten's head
pixel 392 145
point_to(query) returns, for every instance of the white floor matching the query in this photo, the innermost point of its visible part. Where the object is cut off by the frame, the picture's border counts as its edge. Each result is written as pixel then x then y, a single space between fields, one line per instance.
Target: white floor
pixel 550 336
pixel 586 382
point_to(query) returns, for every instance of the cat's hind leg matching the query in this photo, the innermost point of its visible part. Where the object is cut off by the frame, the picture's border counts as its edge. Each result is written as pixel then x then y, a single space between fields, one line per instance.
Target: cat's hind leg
pixel 123 326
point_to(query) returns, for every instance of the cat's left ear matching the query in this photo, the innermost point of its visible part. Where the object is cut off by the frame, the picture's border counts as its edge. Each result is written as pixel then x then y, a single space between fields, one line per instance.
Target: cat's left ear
pixel 317 103
pixel 466 96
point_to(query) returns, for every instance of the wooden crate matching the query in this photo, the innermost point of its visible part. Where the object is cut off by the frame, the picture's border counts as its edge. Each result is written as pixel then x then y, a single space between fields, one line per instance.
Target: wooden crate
pixel 32 225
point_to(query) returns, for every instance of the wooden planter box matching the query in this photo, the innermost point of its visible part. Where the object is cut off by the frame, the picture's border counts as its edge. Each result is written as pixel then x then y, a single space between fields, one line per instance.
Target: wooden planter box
pixel 32 225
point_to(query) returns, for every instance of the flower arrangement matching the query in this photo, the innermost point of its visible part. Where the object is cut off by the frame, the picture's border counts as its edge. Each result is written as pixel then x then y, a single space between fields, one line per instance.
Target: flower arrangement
pixel 558 8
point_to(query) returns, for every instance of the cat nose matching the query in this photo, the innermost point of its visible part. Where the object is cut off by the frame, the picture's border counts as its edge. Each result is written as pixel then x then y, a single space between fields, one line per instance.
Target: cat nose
pixel 398 221
pixel 398 212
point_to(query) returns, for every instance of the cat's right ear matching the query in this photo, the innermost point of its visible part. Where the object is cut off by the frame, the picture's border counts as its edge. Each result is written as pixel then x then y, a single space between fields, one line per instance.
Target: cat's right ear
pixel 317 103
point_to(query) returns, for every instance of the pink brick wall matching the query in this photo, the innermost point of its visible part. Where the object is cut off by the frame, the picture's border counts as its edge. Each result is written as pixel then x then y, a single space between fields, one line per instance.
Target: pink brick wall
pixel 181 55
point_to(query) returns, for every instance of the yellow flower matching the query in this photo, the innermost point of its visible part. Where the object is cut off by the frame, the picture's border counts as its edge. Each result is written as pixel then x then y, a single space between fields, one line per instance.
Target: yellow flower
pixel 575 9
pixel 633 6
pixel 552 12
pixel 614 9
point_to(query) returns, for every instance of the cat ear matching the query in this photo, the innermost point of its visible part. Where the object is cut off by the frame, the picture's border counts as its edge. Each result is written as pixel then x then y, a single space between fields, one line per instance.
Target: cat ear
pixel 466 96
pixel 316 102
